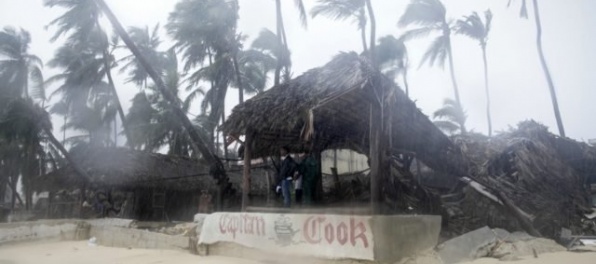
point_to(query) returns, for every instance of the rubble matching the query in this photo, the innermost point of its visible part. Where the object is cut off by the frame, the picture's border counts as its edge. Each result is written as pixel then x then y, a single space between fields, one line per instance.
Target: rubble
pixel 544 176
pixel 494 243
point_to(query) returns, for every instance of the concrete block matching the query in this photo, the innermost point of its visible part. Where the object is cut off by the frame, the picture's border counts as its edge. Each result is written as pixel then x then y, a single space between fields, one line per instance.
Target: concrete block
pixel 40 230
pixel 467 247
pixel 400 236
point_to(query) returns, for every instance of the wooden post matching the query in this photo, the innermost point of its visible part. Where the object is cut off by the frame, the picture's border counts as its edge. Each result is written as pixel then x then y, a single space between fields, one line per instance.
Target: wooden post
pixel 246 172
pixel 375 157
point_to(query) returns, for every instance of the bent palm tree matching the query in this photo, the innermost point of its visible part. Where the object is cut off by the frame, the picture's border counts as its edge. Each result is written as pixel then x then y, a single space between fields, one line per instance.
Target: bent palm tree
pixel 342 10
pixel 450 116
pixel 545 69
pixel 199 143
pixel 473 27
pixel 430 17
pixel 81 22
pixel 20 72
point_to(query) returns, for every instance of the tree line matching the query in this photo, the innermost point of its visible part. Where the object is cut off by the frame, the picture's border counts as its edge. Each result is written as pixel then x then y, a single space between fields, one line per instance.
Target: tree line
pixel 208 57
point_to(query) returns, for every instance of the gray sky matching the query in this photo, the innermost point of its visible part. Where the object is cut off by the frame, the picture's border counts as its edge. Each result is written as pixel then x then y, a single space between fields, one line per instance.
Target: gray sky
pixel 518 87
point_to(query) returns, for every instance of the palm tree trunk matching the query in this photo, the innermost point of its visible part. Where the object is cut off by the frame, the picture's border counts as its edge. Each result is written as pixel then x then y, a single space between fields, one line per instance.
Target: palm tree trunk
pixel 406 85
pixel 454 83
pixel 198 143
pixel 490 123
pixel 281 57
pixel 238 78
pixel 373 31
pixel 223 120
pixel 117 99
pixel 65 153
pixel 26 83
pixel 363 29
pixel 549 80
pixel 64 129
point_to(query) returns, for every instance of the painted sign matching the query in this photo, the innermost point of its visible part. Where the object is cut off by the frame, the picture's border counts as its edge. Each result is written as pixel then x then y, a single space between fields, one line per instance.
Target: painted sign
pixel 329 236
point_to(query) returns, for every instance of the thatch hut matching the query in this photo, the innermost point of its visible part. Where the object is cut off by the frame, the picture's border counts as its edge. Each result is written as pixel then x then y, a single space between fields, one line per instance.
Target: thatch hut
pixel 158 186
pixel 331 107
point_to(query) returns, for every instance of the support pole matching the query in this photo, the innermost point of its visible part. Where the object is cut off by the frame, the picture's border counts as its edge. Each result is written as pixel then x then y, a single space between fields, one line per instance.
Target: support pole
pixel 375 157
pixel 246 172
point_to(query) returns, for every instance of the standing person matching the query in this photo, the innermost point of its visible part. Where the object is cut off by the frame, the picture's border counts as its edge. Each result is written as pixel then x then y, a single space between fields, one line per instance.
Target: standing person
pixel 286 175
pixel 309 171
pixel 298 181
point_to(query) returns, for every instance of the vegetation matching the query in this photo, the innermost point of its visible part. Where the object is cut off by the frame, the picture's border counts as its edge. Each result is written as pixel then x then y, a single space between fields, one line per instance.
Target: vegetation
pixel 473 27
pixel 182 90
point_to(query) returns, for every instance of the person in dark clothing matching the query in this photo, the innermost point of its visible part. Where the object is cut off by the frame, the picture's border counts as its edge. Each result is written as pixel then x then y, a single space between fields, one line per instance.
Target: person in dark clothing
pixel 309 168
pixel 286 175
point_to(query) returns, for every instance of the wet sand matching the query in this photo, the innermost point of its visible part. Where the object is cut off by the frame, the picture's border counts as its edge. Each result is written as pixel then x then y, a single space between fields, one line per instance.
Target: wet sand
pixel 78 252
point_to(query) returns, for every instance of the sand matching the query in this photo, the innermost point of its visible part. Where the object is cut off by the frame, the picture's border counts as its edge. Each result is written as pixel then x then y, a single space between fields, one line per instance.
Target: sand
pixel 547 258
pixel 78 252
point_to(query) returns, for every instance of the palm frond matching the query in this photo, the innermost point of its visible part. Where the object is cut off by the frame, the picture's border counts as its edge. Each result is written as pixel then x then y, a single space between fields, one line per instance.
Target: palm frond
pixel 338 9
pixel 423 13
pixel 302 11
pixel 417 33
pixel 37 87
pixel 451 111
pixel 447 126
pixel 437 52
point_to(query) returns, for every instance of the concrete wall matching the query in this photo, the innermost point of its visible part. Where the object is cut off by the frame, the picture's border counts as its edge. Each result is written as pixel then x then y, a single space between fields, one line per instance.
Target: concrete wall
pixel 347 161
pixel 135 238
pixel 111 232
pixel 43 230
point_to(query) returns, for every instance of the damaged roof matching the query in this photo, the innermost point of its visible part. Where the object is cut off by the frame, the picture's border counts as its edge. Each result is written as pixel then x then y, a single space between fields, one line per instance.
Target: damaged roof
pixel 334 102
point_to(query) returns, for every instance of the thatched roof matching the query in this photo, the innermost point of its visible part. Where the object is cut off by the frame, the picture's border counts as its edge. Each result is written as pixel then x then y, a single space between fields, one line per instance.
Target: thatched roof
pixel 124 168
pixel 338 95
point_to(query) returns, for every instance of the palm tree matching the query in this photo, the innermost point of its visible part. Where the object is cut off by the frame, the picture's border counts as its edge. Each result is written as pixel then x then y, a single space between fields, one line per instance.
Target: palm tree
pixel 21 79
pixel 255 65
pixel 148 43
pixel 20 72
pixel 545 69
pixel 342 10
pixel 281 36
pixel 152 120
pixel 450 116
pixel 476 29
pixel 430 17
pixel 205 30
pixel 24 125
pixel 268 44
pixel 81 22
pixel 88 98
pixel 392 58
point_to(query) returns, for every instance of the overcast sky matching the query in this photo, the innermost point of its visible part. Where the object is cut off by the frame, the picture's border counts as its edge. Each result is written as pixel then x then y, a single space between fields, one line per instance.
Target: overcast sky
pixel 518 87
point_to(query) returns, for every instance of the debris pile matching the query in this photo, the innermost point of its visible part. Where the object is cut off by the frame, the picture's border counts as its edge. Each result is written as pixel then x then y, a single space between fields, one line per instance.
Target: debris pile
pixel 546 178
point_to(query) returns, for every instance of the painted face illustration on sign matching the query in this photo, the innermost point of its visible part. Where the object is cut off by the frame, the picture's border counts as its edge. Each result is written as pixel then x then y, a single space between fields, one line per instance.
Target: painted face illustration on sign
pixel 284 231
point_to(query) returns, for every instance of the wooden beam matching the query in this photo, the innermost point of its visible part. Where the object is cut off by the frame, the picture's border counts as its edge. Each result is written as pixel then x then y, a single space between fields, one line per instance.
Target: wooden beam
pixel 246 172
pixel 375 157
